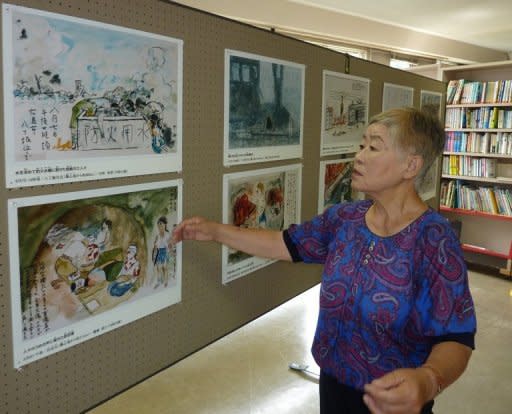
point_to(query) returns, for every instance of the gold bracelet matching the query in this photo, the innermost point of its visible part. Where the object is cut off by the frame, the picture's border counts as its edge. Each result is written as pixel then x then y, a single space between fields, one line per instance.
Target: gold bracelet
pixel 437 377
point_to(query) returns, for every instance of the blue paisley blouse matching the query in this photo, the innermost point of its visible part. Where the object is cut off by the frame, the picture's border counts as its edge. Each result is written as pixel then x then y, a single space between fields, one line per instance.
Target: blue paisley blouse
pixel 384 301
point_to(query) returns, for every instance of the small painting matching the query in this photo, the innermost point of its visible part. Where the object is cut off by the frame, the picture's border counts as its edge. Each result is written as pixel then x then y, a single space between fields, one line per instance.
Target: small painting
pixel 263 109
pixel 344 112
pixel 335 183
pixel 267 198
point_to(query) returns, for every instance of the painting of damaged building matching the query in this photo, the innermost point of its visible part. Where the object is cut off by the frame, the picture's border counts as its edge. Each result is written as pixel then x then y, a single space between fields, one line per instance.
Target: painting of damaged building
pixel 345 100
pixel 264 108
pixel 81 90
pixel 91 259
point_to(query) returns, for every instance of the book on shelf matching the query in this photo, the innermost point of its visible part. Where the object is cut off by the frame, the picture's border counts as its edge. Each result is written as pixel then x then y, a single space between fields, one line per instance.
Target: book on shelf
pixel 449 194
pixel 451 89
pixel 504 200
pixel 487 117
pixel 469 165
pixel 499 143
pixel 460 91
pixel 485 199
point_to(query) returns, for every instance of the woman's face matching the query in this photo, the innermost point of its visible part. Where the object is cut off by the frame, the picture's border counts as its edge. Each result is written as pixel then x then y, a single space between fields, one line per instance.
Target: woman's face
pixel 378 165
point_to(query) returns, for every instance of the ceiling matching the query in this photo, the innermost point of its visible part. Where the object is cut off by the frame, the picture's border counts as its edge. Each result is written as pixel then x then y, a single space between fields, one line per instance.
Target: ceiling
pixel 482 23
pixel 457 31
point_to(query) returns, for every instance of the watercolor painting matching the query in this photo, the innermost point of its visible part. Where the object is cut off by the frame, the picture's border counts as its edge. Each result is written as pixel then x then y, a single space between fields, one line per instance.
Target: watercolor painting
pixel 431 102
pixel 267 198
pixel 396 96
pixel 83 99
pixel 87 259
pixel 263 109
pixel 335 183
pixel 344 112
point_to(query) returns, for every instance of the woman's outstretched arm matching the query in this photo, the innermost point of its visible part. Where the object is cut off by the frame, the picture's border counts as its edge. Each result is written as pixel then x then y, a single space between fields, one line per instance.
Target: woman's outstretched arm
pixel 256 242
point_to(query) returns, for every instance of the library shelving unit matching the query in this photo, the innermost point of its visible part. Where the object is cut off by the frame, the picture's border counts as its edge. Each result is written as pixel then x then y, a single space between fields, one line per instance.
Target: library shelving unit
pixel 476 180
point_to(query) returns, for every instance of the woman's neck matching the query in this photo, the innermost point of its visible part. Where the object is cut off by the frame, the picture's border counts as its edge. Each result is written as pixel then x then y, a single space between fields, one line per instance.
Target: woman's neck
pixel 388 216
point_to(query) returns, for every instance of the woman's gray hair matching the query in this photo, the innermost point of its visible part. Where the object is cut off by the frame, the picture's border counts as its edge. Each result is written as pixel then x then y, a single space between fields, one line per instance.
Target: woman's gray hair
pixel 416 132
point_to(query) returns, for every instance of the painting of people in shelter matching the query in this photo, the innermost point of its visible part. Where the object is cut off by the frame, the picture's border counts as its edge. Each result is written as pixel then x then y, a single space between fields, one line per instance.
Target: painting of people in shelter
pixel 267 198
pixel 84 100
pixel 87 263
pixel 344 112
pixel 264 105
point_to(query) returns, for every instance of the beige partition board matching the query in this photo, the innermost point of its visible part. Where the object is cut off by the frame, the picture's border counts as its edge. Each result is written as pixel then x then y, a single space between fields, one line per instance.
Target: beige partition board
pixel 84 375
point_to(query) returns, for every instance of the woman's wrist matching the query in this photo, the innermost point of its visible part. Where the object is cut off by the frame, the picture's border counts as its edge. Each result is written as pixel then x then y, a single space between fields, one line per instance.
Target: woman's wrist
pixel 436 378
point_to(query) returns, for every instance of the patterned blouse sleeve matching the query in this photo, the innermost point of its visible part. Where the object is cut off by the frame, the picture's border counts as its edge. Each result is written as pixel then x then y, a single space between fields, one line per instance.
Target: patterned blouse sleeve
pixel 444 304
pixel 309 241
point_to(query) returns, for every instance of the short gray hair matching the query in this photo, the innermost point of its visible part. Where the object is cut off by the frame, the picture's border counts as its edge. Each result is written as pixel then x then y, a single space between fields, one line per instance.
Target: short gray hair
pixel 414 131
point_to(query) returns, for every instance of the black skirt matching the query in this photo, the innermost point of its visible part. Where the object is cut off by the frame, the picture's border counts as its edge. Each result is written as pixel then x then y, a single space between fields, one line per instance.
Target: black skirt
pixel 336 398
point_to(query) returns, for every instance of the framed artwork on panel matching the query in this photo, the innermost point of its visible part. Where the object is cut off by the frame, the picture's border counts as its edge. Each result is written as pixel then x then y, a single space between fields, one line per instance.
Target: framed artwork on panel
pixel 263 109
pixel 431 102
pixel 265 198
pixel 335 183
pixel 344 112
pixel 85 100
pixel 396 96
pixel 84 263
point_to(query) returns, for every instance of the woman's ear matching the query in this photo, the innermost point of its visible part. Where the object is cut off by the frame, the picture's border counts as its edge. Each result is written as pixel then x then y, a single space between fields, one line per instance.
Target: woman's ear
pixel 414 165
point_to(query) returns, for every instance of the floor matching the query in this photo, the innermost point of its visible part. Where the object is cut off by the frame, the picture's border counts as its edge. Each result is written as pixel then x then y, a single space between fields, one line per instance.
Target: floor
pixel 247 372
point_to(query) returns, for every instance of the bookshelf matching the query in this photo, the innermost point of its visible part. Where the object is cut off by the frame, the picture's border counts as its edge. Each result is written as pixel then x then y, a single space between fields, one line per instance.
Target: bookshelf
pixel 476 179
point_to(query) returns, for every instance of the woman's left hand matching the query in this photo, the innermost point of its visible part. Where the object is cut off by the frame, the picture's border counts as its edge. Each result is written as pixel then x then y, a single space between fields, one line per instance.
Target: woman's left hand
pixel 403 391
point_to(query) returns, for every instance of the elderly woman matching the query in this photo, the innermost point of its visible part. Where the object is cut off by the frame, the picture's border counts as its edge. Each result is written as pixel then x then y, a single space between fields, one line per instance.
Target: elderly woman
pixel 397 322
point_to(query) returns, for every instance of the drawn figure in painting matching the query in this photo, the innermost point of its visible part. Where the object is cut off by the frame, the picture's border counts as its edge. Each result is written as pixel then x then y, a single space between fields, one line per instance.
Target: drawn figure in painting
pixel 69 273
pixel 274 208
pixel 244 210
pixel 161 134
pixel 338 183
pixel 128 277
pixel 103 236
pixel 259 200
pixel 258 205
pixel 162 247
pixel 94 261
pixel 73 265
pixel 119 119
pixel 84 261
